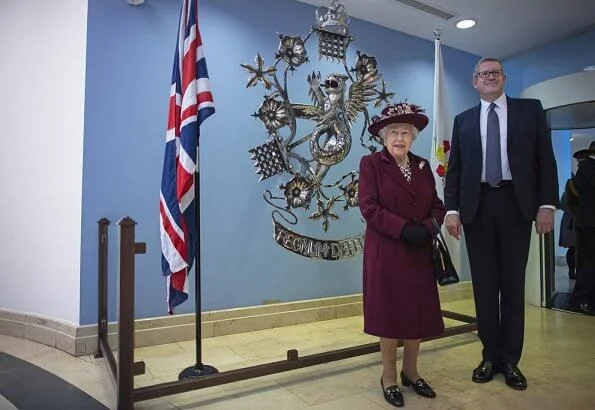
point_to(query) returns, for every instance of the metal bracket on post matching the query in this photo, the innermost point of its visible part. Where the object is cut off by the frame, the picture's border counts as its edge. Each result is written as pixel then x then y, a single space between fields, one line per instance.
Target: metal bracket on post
pixel 127 368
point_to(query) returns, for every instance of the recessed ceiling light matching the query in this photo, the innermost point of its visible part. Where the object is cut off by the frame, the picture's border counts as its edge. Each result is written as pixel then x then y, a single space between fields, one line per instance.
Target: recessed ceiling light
pixel 468 23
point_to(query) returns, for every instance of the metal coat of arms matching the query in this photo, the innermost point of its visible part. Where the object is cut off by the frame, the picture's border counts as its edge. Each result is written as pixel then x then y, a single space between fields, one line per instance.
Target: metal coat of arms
pixel 337 100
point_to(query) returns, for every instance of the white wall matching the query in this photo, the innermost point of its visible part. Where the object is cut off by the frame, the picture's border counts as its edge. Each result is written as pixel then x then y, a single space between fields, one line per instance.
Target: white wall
pixel 42 82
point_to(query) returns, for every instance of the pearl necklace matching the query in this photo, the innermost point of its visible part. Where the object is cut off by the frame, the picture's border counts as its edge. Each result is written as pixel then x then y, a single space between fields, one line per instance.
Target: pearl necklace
pixel 406 170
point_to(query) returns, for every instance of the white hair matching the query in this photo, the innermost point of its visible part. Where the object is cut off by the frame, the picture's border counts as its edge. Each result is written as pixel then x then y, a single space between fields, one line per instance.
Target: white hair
pixel 382 131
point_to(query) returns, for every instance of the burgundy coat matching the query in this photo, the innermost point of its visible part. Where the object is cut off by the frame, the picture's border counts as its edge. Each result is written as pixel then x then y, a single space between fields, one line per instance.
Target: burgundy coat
pixel 400 291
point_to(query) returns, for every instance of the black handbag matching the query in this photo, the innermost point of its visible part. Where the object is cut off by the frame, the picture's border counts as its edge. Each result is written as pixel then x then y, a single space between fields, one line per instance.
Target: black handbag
pixel 446 274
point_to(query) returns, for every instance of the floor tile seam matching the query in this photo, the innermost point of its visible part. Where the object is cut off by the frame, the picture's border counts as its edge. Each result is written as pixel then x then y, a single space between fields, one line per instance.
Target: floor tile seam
pixel 369 399
pixel 151 351
pixel 487 396
pixel 552 360
pixel 235 351
pixel 257 390
pixel 213 399
pixel 94 363
pixel 467 383
pixel 335 371
pixel 360 394
pixel 543 389
pixel 298 397
pixel 563 369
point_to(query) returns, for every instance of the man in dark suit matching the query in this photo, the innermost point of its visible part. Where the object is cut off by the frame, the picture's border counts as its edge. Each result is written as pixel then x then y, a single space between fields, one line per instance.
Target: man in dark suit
pixel 583 295
pixel 501 176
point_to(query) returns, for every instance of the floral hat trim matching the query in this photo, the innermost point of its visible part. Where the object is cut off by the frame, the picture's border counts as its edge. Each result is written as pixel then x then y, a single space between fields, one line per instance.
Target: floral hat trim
pixel 402 112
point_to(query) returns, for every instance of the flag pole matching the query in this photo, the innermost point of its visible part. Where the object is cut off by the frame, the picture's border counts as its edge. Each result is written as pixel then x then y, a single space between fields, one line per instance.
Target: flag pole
pixel 437 34
pixel 199 369
pixel 441 141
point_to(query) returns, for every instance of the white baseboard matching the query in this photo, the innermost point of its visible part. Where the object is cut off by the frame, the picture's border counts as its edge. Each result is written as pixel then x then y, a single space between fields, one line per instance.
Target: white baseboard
pixel 82 340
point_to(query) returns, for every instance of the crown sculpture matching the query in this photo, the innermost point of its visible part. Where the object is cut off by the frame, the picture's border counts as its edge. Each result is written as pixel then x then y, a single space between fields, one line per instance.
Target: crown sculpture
pixel 337 101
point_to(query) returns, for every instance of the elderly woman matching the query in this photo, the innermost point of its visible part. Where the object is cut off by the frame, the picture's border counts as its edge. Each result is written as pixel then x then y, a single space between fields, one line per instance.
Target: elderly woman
pixel 397 197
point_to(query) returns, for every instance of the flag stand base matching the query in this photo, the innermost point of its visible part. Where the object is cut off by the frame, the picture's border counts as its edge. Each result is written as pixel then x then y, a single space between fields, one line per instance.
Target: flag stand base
pixel 198 370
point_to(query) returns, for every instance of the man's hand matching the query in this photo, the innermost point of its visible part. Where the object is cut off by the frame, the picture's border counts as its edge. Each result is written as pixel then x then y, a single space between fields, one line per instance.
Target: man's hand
pixel 453 225
pixel 544 222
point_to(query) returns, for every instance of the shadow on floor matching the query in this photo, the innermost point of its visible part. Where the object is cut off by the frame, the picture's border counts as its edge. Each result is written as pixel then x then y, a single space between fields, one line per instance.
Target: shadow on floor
pixel 28 387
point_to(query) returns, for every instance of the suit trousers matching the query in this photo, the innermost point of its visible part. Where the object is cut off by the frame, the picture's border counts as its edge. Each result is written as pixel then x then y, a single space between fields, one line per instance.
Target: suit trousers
pixel 571 258
pixel 498 240
pixel 584 287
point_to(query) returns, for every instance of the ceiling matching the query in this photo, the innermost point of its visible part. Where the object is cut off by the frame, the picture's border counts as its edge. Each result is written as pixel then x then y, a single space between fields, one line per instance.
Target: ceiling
pixel 504 27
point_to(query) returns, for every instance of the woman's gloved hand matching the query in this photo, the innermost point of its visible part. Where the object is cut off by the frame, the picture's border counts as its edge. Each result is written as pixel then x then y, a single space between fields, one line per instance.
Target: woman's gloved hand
pixel 415 234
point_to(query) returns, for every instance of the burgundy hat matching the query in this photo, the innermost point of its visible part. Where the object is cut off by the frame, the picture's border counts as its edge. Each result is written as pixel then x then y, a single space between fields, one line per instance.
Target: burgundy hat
pixel 584 153
pixel 403 113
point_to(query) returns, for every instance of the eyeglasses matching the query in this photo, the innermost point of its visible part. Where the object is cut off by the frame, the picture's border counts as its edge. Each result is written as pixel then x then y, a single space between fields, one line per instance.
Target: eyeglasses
pixel 397 134
pixel 486 74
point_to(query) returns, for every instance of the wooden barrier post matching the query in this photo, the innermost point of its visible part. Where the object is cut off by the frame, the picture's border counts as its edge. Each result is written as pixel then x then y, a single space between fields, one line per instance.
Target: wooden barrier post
pixel 102 255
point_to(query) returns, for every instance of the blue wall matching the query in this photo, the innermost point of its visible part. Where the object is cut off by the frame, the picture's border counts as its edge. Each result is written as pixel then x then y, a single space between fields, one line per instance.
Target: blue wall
pixel 556 59
pixel 129 57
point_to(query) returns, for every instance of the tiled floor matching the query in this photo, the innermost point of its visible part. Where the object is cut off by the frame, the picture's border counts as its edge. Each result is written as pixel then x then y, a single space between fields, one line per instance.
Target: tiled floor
pixel 558 360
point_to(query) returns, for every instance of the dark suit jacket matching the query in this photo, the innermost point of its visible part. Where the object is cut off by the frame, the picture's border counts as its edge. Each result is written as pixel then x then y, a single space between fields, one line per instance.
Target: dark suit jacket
pixel 584 181
pixel 567 236
pixel 530 154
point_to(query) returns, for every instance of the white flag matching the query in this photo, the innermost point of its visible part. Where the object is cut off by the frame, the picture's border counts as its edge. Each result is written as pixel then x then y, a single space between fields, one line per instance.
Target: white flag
pixel 441 143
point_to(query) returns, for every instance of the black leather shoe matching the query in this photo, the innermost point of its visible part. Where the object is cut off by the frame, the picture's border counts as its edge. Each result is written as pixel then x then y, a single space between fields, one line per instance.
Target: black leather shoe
pixel 420 386
pixel 514 377
pixel 485 371
pixel 585 309
pixel 392 395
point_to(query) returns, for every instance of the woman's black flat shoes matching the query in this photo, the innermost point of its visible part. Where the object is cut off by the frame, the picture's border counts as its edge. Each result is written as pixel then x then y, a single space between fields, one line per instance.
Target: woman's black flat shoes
pixel 392 395
pixel 420 386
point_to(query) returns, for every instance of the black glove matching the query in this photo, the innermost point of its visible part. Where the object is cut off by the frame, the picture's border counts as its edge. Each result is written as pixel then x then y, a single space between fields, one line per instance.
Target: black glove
pixel 415 234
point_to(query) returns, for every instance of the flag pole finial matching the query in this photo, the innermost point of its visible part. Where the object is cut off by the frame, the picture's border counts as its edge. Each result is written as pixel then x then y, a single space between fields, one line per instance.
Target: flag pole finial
pixel 437 33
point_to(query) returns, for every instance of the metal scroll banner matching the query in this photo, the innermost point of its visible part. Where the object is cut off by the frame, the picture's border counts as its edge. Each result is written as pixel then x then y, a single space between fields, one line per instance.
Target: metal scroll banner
pixel 330 250
pixel 304 158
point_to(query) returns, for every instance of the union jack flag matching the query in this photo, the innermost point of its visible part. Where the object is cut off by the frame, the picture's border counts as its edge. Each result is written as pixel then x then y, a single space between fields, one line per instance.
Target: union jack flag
pixel 190 103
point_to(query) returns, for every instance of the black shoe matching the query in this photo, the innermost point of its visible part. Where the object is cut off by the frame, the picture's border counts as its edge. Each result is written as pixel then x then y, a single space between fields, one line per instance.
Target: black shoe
pixel 514 377
pixel 485 371
pixel 392 395
pixel 585 308
pixel 420 386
